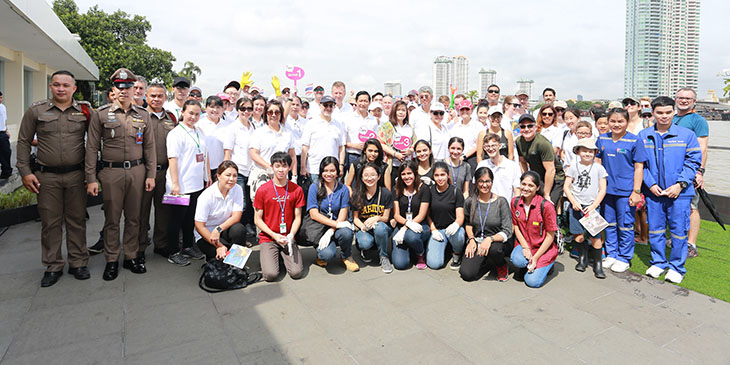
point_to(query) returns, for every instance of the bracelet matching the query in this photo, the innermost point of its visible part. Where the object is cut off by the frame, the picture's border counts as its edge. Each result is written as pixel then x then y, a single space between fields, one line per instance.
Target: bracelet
pixel 701 170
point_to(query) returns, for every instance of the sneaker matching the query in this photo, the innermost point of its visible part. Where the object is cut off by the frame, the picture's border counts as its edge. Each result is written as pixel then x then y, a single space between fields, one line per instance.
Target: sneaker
pixel 608 262
pixel 364 256
pixel 502 273
pixel 619 266
pixel 350 264
pixel 691 251
pixel 178 259
pixel 655 271
pixel 193 253
pixel 385 265
pixel 673 277
pixel 98 247
pixel 421 264
pixel 455 262
pixel 321 263
pixel 573 253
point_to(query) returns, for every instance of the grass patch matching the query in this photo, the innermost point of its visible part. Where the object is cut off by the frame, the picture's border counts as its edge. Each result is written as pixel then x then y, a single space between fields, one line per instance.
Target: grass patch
pixel 709 272
pixel 21 197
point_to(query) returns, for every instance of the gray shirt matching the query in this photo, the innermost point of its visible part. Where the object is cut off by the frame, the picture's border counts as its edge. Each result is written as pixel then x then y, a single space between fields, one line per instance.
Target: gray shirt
pixel 585 181
pixel 495 217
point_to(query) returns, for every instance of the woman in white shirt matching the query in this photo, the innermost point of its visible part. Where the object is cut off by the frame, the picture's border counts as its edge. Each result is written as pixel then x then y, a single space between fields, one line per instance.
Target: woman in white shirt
pixel 188 174
pixel 236 149
pixel 267 140
pixel 215 128
pixel 218 213
pixel 436 132
pixel 546 124
pixel 467 129
pixel 295 125
pixel 257 118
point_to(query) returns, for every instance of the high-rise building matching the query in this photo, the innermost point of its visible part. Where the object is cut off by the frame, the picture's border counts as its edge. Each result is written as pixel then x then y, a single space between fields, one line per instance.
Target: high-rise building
pixel 442 70
pixel 662 46
pixel 486 78
pixel 526 85
pixel 392 88
pixel 460 75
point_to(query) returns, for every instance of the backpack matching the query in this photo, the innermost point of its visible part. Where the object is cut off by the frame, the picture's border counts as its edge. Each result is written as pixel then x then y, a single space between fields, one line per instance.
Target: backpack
pixel 218 276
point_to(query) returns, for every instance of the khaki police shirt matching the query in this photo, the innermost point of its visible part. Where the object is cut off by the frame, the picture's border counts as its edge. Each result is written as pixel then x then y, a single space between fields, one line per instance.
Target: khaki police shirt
pixel 161 127
pixel 60 135
pixel 118 129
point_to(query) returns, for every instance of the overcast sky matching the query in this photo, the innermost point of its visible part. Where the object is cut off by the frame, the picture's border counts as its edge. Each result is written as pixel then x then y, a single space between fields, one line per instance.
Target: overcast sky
pixel 576 47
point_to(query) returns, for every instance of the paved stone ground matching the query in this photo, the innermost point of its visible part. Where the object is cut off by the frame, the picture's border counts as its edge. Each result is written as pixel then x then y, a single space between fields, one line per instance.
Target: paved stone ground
pixel 334 316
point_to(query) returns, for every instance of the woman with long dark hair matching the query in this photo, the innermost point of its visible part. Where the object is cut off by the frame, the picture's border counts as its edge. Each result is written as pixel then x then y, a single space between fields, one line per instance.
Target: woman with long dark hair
pixel 271 138
pixel 424 157
pixel 412 199
pixel 372 152
pixel 445 219
pixel 371 205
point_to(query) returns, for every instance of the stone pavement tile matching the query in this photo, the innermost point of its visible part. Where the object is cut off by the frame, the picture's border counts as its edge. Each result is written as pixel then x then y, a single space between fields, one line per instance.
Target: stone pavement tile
pixel 555 319
pixel 324 291
pixel 259 295
pixel 617 345
pixel 580 287
pixel 421 288
pixel 21 258
pixel 700 307
pixel 69 324
pixel 19 285
pixel 520 345
pixel 649 290
pixel 150 329
pixel 650 322
pixel 164 283
pixel 495 295
pixel 707 344
pixel 98 350
pixel 319 350
pixel 83 291
pixel 203 350
pixel 11 315
pixel 410 348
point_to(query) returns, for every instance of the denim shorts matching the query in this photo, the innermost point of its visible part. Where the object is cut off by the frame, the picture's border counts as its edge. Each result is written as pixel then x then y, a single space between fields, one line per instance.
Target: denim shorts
pixel 575 226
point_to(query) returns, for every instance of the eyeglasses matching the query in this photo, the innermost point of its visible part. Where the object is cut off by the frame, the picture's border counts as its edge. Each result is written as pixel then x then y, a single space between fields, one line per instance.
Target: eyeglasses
pixel 484 182
pixel 273 112
pixel 196 95
pixel 328 105
pixel 684 98
pixel 632 103
pixel 646 116
pixel 493 91
pixel 547 114
pixel 516 105
pixel 559 110
pixel 437 112
pixel 527 126
pixel 245 109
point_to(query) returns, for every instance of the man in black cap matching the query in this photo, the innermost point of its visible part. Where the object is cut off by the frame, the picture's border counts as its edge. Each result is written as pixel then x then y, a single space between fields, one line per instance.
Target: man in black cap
pixel 180 88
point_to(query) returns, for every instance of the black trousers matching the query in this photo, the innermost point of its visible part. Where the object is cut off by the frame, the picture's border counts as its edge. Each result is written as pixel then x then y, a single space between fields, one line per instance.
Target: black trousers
pixel 234 234
pixel 182 217
pixel 475 267
pixel 5 152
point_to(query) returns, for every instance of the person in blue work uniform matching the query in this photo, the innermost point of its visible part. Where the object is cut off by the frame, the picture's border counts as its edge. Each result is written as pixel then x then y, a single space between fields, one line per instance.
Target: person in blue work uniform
pixel 674 156
pixel 622 155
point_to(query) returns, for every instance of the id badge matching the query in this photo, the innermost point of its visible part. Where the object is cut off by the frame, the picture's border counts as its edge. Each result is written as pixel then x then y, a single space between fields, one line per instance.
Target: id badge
pixel 199 157
pixel 409 216
pixel 282 228
pixel 139 136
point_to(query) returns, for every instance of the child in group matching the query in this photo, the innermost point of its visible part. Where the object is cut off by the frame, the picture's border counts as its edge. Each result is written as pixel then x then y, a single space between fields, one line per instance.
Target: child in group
pixel 278 214
pixel 622 155
pixel 371 205
pixel 585 188
pixel 445 219
pixel 602 124
pixel 410 207
pixel 460 169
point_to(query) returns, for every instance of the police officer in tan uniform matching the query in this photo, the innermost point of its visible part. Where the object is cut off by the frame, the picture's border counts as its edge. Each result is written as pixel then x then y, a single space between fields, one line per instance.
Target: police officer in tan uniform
pixel 58 175
pixel 161 122
pixel 129 166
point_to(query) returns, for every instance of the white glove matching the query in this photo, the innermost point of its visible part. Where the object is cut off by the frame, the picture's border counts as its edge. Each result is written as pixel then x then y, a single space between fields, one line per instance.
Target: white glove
pixel 344 224
pixel 290 238
pixel 325 240
pixel 398 237
pixel 452 228
pixel 290 244
pixel 294 179
pixel 413 226
pixel 436 234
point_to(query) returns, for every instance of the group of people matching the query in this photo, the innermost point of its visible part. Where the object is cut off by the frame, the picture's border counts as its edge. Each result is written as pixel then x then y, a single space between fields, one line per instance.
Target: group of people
pixel 406 182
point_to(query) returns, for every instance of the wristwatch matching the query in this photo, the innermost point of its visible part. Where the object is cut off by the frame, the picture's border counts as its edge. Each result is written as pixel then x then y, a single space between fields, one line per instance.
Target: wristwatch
pixel 683 184
pixel 218 228
pixel 637 191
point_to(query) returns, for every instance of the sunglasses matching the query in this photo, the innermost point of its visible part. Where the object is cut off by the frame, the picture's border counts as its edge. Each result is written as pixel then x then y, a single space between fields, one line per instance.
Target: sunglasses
pixel 633 103
pixel 493 91
pixel 196 95
pixel 438 112
pixel 560 110
pixel 527 126
pixel 246 108
pixel 546 114
pixel 273 112
pixel 646 116
pixel 328 105
pixel 516 105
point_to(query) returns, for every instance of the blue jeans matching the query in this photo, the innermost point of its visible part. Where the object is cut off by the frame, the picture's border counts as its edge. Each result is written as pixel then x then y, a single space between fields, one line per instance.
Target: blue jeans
pixel 533 279
pixel 314 178
pixel 342 238
pixel 380 234
pixel 620 231
pixel 435 249
pixel 412 242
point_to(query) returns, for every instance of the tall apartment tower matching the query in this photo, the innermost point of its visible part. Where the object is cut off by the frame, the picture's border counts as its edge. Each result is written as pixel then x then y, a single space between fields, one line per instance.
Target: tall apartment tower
pixel 442 71
pixel 662 46
pixel 393 88
pixel 460 75
pixel 526 85
pixel 486 78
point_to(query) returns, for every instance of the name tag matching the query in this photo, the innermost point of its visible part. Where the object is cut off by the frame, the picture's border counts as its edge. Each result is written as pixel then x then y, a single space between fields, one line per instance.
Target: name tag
pixel 535 223
pixel 282 228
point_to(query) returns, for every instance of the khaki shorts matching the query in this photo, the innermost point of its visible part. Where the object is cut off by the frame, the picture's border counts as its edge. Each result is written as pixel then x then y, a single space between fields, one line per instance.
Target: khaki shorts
pixel 695 203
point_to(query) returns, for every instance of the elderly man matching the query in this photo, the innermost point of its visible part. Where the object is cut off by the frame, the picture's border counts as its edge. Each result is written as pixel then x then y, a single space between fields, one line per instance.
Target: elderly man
pixel 421 116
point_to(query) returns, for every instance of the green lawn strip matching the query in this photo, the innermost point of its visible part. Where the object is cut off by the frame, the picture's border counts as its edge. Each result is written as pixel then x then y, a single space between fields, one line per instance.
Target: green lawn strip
pixel 708 273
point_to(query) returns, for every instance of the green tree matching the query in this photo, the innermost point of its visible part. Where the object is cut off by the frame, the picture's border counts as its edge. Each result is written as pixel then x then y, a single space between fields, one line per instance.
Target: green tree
pixel 190 71
pixel 116 40
pixel 472 95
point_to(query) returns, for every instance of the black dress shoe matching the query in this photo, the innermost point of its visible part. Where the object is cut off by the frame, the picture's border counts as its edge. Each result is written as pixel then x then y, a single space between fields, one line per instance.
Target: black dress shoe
pixel 134 266
pixel 80 273
pixel 141 257
pixel 111 271
pixel 50 278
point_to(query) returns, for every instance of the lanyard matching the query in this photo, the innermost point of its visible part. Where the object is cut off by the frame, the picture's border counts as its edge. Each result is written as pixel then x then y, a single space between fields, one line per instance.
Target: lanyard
pixel 196 139
pixel 456 175
pixel 410 198
pixel 282 205
pixel 484 221
pixel 329 201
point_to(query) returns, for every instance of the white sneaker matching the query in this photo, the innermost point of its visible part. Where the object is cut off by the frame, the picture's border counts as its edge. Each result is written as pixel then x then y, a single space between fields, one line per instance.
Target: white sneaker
pixel 608 262
pixel 673 276
pixel 655 271
pixel 619 266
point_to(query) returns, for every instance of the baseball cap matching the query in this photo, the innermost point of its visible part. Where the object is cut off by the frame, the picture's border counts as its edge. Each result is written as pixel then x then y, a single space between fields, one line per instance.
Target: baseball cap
pixel 374 105
pixel 412 104
pixel 438 107
pixel 181 82
pixel 521 92
pixel 526 116
pixel 234 83
pixel 646 111
pixel 223 96
pixel 319 88
pixel 413 92
pixel 615 104
pixel 560 104
pixel 464 104
pixel 494 109
pixel 327 99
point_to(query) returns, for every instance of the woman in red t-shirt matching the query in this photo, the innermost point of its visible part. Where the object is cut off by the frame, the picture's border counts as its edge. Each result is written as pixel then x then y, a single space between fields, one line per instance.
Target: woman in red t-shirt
pixel 534 222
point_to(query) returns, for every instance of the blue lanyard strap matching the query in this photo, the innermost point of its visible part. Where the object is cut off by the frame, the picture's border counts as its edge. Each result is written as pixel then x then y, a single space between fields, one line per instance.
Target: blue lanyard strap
pixel 456 175
pixel 482 222
pixel 282 205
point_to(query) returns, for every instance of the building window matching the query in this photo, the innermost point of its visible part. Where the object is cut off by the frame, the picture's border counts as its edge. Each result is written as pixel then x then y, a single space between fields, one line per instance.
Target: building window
pixel 28 88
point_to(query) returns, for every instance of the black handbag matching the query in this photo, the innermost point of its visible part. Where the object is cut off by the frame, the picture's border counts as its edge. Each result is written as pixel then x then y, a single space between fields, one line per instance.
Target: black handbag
pixel 218 276
pixel 310 232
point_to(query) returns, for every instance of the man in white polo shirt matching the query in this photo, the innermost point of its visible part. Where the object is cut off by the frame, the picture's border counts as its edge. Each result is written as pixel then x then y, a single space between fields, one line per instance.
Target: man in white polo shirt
pixel 342 109
pixel 323 136
pixel 180 88
pixel 359 127
pixel 422 115
pixel 506 172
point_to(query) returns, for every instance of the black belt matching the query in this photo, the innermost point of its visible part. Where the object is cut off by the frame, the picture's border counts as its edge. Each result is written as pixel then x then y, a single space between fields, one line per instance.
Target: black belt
pixel 162 167
pixel 59 169
pixel 124 164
